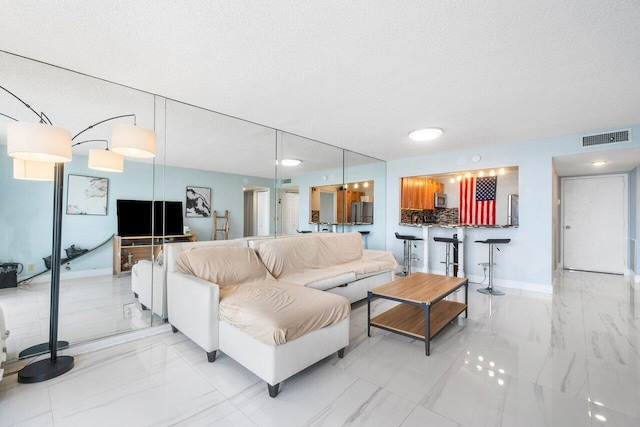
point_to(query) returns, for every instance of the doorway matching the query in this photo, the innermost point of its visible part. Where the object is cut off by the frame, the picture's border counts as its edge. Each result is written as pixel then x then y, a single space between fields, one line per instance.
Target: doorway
pixel 594 223
pixel 290 211
pixel 257 211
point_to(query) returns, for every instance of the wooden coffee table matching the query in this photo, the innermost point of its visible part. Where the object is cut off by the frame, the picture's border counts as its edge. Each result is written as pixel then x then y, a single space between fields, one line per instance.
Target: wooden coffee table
pixel 423 311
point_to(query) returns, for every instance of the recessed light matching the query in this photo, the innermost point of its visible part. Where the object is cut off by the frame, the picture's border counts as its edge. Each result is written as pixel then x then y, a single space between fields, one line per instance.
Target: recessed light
pixel 501 171
pixel 291 162
pixel 426 134
pixel 599 163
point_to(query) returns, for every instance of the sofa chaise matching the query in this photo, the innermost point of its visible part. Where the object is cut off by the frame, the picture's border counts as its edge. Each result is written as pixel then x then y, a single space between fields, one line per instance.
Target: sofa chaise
pixel 276 306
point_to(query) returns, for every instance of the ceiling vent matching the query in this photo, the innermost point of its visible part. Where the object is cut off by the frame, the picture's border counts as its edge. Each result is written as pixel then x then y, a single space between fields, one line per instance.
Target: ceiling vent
pixel 286 180
pixel 606 138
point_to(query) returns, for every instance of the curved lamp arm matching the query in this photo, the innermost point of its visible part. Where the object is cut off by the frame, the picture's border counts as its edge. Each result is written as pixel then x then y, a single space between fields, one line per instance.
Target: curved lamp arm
pixel 92 140
pixel 103 121
pixel 41 116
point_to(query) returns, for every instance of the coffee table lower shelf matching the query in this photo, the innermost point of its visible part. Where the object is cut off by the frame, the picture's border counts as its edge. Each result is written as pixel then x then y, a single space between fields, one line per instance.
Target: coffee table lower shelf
pixel 408 319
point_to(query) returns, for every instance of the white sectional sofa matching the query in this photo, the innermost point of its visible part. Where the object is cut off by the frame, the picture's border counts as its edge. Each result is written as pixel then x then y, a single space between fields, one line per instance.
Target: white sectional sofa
pixel 223 299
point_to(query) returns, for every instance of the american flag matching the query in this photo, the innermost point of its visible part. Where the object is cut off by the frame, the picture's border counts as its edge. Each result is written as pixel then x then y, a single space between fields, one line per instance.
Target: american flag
pixel 478 200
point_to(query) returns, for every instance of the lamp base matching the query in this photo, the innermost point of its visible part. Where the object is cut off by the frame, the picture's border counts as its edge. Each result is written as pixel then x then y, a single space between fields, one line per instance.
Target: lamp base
pixel 41 349
pixel 490 291
pixel 45 369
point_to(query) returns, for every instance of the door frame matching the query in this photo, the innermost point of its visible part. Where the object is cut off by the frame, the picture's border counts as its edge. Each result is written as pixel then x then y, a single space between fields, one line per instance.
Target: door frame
pixel 625 214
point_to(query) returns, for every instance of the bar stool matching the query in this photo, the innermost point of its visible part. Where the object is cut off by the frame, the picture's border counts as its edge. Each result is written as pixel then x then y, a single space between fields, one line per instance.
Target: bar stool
pixel 447 260
pixel 492 242
pixel 408 257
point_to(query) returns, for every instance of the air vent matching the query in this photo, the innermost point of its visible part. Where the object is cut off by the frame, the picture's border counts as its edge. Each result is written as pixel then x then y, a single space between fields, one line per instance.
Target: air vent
pixel 606 138
pixel 286 181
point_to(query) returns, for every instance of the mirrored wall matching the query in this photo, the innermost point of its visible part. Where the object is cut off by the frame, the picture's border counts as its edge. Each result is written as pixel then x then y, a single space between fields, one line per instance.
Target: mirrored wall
pixel 213 177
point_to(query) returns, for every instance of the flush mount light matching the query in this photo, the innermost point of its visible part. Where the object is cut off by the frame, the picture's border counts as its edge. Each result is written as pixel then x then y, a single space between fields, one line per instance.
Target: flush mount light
pixel 426 134
pixel 599 163
pixel 291 162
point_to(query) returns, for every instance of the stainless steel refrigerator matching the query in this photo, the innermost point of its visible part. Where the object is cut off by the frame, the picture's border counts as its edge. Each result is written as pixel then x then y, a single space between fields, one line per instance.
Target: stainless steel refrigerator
pixel 362 212
pixel 512 210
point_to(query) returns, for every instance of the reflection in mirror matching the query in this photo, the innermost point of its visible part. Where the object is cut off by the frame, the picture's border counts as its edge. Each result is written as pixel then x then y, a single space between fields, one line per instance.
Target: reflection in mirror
pixel 230 161
pixel 319 165
pixel 369 175
pixel 93 301
pixel 436 199
pixel 351 203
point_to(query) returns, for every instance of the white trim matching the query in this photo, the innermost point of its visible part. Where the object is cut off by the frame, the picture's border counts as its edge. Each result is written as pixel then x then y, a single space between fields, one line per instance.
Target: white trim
pixel 45 278
pixel 98 344
pixel 637 278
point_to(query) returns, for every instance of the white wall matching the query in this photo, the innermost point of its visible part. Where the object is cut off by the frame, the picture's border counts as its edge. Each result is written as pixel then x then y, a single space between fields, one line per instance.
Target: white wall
pixel 529 256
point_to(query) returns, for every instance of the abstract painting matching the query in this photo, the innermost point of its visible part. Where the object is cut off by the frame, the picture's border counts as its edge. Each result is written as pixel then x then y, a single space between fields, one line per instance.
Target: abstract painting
pixel 198 202
pixel 87 195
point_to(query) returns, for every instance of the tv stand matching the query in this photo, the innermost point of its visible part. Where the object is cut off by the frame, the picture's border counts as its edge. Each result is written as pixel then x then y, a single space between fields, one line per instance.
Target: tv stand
pixel 140 247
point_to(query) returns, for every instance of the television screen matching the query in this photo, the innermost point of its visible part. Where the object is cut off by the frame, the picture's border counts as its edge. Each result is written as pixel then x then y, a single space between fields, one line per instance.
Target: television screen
pixel 134 217
pixel 172 219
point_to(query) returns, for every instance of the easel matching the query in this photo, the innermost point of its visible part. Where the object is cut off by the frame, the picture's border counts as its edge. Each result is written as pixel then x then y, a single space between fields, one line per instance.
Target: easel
pixel 225 226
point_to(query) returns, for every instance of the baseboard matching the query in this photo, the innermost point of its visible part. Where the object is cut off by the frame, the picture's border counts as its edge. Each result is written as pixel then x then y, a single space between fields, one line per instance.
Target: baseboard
pixel 501 283
pixel 46 278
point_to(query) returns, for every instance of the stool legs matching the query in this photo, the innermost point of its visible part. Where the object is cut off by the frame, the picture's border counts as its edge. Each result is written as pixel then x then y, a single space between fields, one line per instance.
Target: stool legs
pixel 406 265
pixel 490 289
pixel 446 260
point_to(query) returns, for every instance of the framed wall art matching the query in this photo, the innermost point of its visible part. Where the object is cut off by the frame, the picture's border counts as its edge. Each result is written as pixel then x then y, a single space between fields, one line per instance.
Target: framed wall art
pixel 198 202
pixel 87 195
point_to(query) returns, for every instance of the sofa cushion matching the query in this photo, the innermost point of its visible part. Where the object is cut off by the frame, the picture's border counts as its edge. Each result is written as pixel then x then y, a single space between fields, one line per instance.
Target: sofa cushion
pixel 320 278
pixel 225 266
pixel 276 312
pixel 316 251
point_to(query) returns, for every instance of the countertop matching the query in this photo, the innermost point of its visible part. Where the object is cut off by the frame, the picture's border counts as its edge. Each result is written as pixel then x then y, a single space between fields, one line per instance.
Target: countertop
pixel 457 225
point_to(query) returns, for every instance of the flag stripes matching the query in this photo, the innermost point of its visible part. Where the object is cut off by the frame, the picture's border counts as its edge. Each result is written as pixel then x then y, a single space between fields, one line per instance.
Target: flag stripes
pixel 472 210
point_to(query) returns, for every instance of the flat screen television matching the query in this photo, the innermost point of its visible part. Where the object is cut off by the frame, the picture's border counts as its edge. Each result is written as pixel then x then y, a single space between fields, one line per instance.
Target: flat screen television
pixel 135 218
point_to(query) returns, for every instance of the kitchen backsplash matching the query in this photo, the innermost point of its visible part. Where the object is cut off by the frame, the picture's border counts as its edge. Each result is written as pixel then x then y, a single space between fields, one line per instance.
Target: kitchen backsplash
pixel 430 216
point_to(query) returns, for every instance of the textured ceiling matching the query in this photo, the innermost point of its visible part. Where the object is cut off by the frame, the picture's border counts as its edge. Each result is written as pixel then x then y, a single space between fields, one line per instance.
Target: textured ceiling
pixel 359 74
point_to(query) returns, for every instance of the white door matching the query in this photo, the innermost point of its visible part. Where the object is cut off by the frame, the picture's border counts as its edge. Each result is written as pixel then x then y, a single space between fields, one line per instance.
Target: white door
pixel 594 223
pixel 290 212
pixel 263 213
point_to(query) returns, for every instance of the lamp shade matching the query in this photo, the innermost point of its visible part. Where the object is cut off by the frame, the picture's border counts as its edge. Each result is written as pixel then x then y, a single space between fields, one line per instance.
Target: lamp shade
pixel 35 171
pixel 133 141
pixel 105 160
pixel 38 142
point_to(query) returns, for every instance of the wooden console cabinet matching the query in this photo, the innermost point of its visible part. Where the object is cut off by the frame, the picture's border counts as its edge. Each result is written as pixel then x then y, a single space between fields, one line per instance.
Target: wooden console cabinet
pixel 140 247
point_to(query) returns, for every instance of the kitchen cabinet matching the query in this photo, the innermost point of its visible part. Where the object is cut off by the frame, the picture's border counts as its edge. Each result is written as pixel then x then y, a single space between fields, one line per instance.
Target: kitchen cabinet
pixel 418 192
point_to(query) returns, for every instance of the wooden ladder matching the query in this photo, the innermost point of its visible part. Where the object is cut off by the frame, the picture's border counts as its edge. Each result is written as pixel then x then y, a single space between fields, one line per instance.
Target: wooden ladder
pixel 225 225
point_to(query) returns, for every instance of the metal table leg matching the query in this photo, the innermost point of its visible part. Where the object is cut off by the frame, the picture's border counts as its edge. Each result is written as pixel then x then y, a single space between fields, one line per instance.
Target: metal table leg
pixel 427 336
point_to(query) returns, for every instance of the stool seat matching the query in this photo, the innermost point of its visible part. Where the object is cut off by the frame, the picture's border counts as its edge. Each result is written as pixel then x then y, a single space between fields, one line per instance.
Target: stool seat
pixel 446 240
pixel 407 237
pixel 494 241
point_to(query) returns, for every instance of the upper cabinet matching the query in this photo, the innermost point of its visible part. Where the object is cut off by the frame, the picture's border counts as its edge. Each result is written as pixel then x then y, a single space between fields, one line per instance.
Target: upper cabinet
pixel 419 192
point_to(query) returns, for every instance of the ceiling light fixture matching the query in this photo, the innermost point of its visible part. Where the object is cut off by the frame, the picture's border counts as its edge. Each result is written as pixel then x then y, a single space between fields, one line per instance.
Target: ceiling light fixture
pixel 599 163
pixel 425 134
pixel 291 162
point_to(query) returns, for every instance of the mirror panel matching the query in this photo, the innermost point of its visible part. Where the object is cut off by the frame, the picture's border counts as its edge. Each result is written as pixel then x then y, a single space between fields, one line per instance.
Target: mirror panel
pixel 360 170
pixel 94 302
pixel 229 160
pixel 320 165
pixel 435 199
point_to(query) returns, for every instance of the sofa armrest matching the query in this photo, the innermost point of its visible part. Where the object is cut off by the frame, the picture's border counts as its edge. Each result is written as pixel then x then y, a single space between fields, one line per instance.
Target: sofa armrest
pixel 193 308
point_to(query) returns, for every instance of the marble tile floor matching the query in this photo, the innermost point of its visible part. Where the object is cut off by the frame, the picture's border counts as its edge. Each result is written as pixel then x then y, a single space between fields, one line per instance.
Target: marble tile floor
pixel 523 359
pixel 90 308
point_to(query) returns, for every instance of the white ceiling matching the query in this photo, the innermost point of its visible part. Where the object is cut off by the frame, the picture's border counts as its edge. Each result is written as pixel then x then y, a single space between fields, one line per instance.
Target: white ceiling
pixel 359 74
